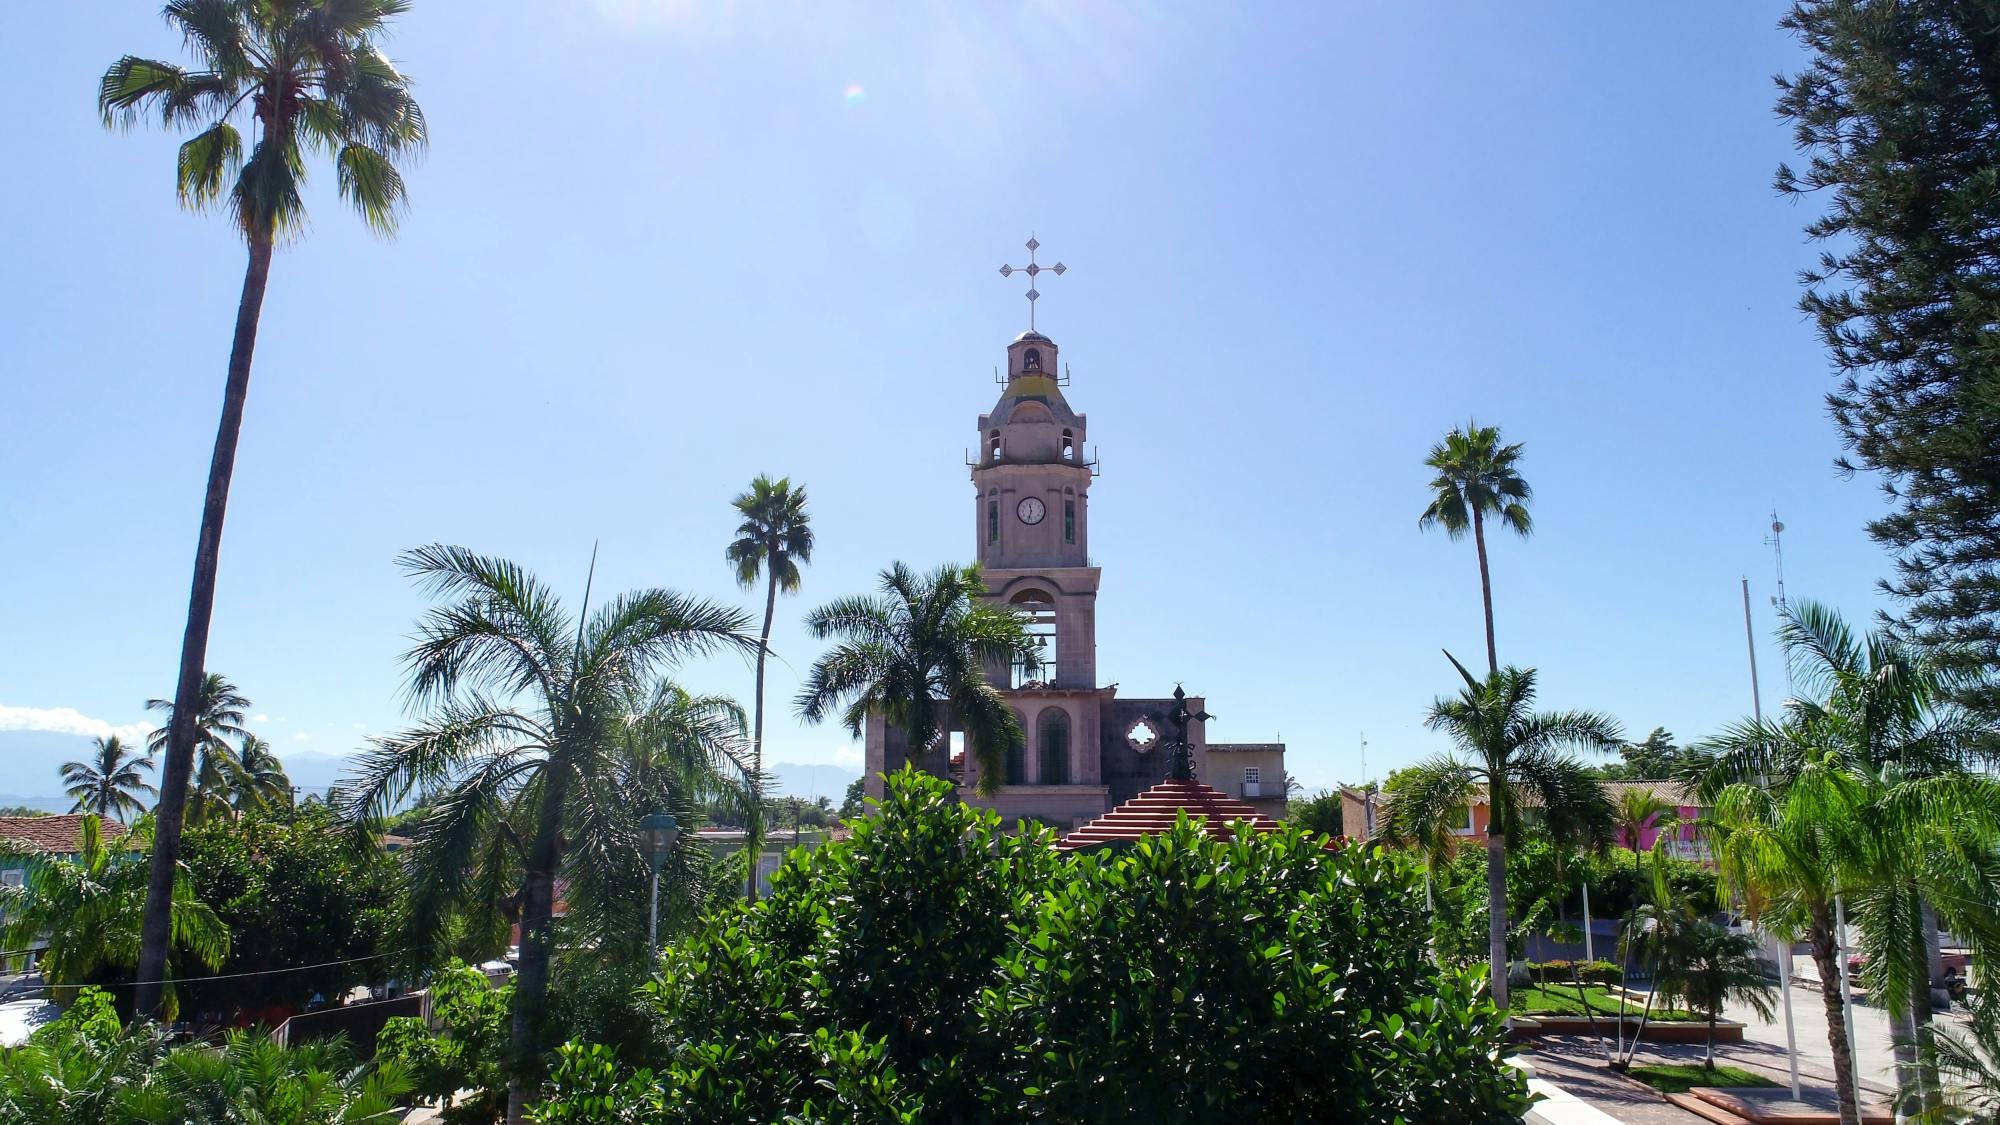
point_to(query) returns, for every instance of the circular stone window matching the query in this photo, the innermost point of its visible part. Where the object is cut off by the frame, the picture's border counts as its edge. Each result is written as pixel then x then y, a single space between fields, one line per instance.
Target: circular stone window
pixel 1142 737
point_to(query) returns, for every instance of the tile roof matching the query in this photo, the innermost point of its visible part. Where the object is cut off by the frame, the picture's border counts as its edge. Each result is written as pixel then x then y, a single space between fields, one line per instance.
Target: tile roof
pixel 50 835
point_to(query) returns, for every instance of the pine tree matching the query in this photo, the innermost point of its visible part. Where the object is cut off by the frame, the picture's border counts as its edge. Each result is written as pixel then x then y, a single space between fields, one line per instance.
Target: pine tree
pixel 1897 114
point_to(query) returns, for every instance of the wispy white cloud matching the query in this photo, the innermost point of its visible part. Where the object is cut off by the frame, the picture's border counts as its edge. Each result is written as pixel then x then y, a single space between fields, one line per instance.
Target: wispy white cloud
pixel 260 718
pixel 849 756
pixel 302 737
pixel 68 720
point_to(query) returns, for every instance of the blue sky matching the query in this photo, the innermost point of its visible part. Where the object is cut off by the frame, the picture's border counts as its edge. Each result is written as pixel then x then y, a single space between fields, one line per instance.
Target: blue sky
pixel 658 247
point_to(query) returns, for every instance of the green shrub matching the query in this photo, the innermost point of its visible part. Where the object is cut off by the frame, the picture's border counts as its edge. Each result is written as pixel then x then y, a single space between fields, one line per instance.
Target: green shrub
pixel 84 1069
pixel 468 1052
pixel 934 967
pixel 1605 973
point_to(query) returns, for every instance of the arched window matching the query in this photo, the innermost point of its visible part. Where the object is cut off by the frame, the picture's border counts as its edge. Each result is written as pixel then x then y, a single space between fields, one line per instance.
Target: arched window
pixel 1069 446
pixel 993 446
pixel 1052 736
pixel 1017 765
pixel 1031 360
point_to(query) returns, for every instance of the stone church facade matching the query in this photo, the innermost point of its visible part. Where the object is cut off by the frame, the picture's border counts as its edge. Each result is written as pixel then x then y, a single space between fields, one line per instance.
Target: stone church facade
pixel 1088 748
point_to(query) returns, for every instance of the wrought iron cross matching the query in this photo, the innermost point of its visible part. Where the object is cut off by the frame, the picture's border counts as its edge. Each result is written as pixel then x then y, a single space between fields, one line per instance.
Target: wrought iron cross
pixel 1031 269
pixel 1181 752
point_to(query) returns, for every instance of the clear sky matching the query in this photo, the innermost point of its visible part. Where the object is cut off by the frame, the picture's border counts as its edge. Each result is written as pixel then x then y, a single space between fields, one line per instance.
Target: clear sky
pixel 659 246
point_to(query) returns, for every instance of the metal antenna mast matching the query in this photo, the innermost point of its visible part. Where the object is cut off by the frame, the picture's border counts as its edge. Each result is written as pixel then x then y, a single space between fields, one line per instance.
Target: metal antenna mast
pixel 1776 541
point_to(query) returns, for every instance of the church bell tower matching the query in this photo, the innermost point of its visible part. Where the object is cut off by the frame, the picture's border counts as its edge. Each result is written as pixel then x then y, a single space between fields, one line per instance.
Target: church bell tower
pixel 1032 513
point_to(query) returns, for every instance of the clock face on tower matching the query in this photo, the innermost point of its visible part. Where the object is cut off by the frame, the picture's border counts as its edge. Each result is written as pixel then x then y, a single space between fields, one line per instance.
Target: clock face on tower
pixel 1031 510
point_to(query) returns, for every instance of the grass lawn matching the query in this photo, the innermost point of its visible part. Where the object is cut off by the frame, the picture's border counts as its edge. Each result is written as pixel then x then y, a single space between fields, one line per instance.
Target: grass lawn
pixel 1561 1001
pixel 1670 1078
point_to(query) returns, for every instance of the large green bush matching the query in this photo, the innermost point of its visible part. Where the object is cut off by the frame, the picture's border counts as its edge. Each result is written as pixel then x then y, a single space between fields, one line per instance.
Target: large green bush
pixel 84 1069
pixel 937 968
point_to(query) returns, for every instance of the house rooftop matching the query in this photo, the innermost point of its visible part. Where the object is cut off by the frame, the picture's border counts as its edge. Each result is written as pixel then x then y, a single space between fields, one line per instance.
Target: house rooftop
pixel 50 835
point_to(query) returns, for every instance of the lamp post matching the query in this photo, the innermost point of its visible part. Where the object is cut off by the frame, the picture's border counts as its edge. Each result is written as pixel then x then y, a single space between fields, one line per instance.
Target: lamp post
pixel 657 833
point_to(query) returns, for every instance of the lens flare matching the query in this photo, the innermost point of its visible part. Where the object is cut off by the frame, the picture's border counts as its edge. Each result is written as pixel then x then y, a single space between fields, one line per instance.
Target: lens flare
pixel 855 94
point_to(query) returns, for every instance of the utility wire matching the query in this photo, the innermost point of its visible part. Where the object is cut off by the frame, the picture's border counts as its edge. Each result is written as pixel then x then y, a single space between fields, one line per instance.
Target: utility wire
pixel 239 976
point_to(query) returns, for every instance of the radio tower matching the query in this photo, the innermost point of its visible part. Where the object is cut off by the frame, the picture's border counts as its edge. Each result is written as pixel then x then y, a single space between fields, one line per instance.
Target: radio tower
pixel 1776 541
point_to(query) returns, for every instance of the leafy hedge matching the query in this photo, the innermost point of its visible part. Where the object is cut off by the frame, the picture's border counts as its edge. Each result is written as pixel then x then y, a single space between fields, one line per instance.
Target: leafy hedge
pixel 937 968
pixel 1605 973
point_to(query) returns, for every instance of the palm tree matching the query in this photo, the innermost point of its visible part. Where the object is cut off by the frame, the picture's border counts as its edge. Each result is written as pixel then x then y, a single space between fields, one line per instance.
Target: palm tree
pixel 1516 756
pixel 107 784
pixel 1635 811
pixel 523 759
pixel 301 75
pixel 261 782
pixel 1476 477
pixel 1774 850
pixel 1712 967
pixel 255 1078
pixel 89 911
pixel 926 640
pixel 774 538
pixel 1874 743
pixel 1968 1063
pixel 218 724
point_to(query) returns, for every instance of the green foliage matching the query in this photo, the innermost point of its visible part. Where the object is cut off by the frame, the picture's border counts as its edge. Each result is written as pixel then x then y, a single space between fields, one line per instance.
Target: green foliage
pixel 88 910
pixel 84 1069
pixel 1710 967
pixel 1318 813
pixel 1271 980
pixel 348 103
pixel 110 783
pixel 1896 110
pixel 1563 972
pixel 467 1053
pixel 293 891
pixel 934 967
pixel 1518 760
pixel 1967 1060
pixel 218 728
pixel 1679 1078
pixel 547 734
pixel 1561 999
pixel 1655 758
pixel 855 802
pixel 926 640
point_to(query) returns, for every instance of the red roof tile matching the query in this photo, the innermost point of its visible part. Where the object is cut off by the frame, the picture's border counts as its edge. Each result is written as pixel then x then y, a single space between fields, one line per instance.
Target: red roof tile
pixel 50 835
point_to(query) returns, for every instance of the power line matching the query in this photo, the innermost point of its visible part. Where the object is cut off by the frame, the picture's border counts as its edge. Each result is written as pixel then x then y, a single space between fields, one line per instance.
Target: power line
pixel 240 976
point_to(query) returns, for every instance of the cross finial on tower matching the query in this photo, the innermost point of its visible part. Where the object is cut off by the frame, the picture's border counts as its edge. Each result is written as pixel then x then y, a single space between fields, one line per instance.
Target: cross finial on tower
pixel 1031 269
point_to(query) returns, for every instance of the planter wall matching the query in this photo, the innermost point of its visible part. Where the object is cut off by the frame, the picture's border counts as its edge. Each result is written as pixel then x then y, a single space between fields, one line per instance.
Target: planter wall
pixel 1726 1031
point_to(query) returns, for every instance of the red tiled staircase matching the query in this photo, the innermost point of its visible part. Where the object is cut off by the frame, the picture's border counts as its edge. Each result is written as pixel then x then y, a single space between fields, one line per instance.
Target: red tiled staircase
pixel 1152 813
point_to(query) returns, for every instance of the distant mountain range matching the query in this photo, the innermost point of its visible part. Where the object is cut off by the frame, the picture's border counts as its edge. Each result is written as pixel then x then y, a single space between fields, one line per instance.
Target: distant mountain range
pixel 31 771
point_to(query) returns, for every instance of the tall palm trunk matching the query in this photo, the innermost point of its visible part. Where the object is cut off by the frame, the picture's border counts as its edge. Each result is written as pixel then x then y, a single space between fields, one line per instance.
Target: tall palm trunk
pixel 1826 958
pixel 1923 941
pixel 1485 588
pixel 155 929
pixel 537 942
pixel 1496 913
pixel 755 840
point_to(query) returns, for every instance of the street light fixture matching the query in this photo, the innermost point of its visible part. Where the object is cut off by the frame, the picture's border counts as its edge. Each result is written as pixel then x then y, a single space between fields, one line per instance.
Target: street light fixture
pixel 657 833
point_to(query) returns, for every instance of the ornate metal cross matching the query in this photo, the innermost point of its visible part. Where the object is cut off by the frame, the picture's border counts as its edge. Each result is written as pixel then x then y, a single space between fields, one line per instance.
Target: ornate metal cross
pixel 1031 269
pixel 1181 760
